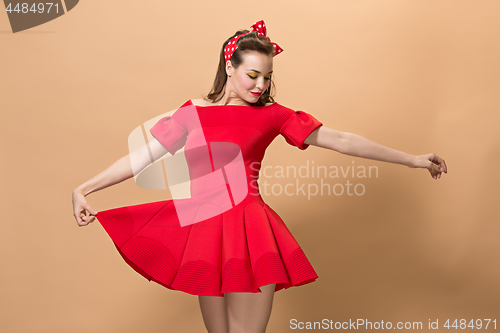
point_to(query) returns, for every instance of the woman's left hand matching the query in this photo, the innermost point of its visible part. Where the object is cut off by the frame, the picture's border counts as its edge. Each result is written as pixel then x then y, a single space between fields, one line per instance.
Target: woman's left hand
pixel 432 162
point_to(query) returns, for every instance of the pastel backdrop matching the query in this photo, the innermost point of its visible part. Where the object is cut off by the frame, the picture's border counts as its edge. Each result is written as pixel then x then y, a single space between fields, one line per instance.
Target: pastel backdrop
pixel 417 76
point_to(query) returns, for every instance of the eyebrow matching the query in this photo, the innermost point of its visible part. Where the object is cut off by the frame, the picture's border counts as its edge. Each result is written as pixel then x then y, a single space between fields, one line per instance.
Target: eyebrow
pixel 258 71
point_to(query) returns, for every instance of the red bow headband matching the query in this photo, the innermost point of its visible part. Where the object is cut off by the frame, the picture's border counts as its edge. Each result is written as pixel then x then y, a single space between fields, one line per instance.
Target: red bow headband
pixel 260 27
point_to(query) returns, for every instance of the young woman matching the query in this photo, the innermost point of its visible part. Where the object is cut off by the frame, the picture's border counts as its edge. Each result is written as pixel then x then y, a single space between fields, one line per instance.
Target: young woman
pixel 225 244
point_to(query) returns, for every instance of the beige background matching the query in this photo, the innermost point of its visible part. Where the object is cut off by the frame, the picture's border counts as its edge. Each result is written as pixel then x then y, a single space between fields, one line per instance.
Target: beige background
pixel 417 76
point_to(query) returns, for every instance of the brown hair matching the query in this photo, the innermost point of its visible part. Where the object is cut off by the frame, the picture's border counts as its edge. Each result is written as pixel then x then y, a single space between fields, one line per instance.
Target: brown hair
pixel 250 41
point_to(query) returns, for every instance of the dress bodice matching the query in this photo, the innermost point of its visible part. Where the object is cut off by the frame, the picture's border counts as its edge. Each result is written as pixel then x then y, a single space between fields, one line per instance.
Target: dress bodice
pixel 224 145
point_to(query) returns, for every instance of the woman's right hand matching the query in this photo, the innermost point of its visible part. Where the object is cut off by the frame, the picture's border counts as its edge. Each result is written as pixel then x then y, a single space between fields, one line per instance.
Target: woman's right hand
pixel 80 208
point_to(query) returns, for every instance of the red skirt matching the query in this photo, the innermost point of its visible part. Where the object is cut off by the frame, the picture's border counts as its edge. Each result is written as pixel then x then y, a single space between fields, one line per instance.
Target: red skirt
pixel 239 250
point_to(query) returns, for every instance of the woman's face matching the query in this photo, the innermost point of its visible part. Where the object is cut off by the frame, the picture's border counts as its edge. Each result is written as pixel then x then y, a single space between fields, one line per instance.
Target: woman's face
pixel 252 76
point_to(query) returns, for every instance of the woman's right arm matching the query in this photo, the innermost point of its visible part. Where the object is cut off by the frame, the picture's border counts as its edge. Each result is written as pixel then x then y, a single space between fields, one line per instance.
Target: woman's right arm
pixel 122 169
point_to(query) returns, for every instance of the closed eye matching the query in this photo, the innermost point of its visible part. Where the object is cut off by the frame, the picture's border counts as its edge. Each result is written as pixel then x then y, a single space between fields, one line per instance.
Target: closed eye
pixel 254 77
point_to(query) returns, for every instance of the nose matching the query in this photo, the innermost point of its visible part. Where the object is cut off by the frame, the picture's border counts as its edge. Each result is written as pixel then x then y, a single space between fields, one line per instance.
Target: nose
pixel 260 84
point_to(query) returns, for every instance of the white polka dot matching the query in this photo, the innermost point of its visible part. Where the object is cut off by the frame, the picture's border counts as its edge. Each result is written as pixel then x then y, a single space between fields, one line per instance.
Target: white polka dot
pixel 259 25
pixel 232 49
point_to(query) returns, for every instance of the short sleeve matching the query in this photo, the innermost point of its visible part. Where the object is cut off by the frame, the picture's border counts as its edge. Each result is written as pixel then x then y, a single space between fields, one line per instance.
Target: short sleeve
pixel 170 132
pixel 298 127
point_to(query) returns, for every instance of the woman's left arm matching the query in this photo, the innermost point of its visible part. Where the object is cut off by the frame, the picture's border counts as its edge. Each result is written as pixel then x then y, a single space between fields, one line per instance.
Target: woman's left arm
pixel 356 145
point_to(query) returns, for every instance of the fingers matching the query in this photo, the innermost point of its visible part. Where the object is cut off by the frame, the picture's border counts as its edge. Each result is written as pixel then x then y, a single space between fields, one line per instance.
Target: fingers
pixel 434 169
pixel 441 163
pixel 88 219
pixel 443 166
pixel 82 219
pixel 435 174
pixel 85 220
pixel 90 210
pixel 78 216
pixel 81 207
pixel 437 166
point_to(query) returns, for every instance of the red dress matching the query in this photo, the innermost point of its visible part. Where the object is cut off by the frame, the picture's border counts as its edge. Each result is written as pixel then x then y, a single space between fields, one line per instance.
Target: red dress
pixel 224 238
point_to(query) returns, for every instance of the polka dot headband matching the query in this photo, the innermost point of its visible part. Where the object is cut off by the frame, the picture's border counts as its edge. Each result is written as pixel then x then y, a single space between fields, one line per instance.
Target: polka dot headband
pixel 260 27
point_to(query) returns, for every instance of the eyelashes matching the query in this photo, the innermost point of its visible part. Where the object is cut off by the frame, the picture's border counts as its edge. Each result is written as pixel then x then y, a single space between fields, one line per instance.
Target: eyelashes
pixel 254 77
